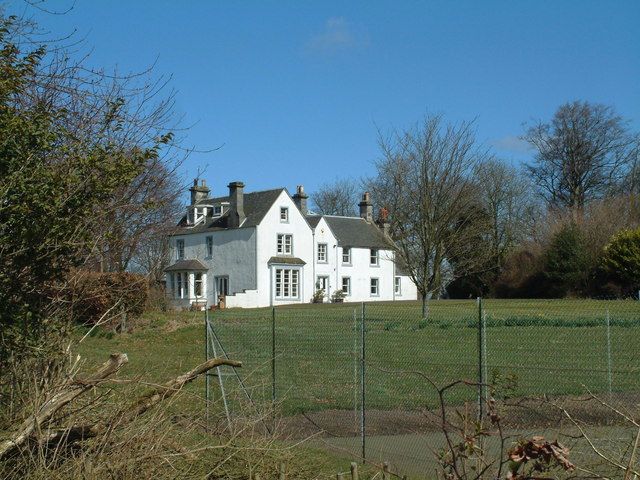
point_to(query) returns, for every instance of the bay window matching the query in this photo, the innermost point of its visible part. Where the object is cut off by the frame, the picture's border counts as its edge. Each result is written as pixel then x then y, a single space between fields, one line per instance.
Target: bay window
pixel 287 283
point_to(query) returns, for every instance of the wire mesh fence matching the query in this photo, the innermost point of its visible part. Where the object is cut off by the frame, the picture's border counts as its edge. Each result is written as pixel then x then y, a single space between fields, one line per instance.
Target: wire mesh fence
pixel 366 376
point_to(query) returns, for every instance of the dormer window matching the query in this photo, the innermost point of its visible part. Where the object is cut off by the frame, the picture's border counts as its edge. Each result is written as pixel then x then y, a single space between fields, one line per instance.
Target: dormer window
pixel 217 210
pixel 196 215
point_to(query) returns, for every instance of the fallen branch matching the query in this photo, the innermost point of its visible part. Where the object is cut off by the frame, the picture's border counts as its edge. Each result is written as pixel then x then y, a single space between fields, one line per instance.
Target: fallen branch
pixel 67 394
pixel 140 406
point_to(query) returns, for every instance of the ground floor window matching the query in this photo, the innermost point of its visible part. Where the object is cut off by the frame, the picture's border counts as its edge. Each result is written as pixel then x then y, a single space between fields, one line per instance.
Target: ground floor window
pixel 222 286
pixel 197 285
pixel 375 283
pixel 171 287
pixel 287 282
pixel 346 285
pixel 397 286
pixel 180 285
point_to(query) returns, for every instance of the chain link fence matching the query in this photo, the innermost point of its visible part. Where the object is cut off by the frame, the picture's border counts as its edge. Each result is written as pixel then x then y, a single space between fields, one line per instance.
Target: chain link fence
pixel 365 378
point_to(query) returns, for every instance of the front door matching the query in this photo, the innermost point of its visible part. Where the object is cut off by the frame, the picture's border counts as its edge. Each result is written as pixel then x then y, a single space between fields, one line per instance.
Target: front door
pixel 323 284
pixel 222 287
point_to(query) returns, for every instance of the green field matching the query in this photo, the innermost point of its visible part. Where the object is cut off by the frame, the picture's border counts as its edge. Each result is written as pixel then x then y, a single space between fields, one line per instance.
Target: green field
pixel 543 346
pixel 553 347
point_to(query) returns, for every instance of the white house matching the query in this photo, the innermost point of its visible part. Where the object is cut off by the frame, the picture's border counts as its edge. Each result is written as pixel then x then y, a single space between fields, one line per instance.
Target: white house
pixel 265 248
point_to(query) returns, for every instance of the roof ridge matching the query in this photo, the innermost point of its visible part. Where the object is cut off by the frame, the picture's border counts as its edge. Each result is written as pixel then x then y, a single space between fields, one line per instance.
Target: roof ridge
pixel 343 216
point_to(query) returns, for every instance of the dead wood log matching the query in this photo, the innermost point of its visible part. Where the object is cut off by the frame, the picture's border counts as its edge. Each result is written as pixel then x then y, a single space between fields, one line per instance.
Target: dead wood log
pixel 66 394
pixel 140 406
pixel 78 433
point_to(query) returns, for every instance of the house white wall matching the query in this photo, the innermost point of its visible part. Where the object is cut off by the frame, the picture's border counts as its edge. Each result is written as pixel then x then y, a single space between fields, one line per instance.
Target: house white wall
pixel 361 272
pixel 267 232
pixel 324 235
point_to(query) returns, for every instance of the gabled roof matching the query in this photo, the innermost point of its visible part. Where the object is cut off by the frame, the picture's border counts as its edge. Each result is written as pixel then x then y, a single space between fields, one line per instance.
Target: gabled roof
pixel 256 205
pixel 314 220
pixel 353 231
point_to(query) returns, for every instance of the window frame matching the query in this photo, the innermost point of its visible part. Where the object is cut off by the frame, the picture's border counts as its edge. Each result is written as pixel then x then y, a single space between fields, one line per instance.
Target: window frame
pixel 180 249
pixel 198 284
pixel 348 292
pixel 281 246
pixel 286 283
pixel 284 210
pixel 374 281
pixel 217 210
pixel 178 292
pixel 326 253
pixel 348 254
pixel 209 246
pixel 374 257
pixel 397 286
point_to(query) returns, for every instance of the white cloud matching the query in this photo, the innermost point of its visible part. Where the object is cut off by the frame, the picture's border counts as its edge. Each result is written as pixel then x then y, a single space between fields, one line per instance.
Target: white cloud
pixel 338 35
pixel 512 143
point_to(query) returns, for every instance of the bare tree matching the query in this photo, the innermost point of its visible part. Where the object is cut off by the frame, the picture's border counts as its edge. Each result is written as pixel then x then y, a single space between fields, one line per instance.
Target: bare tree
pixel 425 180
pixel 127 112
pixel 583 153
pixel 506 197
pixel 337 198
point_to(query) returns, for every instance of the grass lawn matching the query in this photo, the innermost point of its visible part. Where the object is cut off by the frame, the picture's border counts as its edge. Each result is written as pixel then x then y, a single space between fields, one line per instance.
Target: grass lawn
pixel 540 346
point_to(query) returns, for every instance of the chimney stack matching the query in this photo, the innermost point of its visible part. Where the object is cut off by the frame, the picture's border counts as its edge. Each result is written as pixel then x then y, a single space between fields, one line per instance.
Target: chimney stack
pixel 383 220
pixel 236 200
pixel 300 199
pixel 199 192
pixel 366 207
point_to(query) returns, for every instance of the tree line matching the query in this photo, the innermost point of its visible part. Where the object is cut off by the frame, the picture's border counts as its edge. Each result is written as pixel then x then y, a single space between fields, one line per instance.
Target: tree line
pixel 467 223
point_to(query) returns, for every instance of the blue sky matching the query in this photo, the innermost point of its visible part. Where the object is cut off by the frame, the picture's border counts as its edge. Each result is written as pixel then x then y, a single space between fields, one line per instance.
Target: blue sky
pixel 295 91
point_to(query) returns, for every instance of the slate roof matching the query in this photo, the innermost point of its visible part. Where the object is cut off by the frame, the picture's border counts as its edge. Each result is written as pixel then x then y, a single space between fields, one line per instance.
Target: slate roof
pixel 314 220
pixel 356 232
pixel 286 261
pixel 256 206
pixel 186 265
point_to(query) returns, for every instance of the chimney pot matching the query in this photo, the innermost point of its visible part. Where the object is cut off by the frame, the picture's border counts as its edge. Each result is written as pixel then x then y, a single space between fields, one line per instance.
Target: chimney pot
pixel 199 192
pixel 236 201
pixel 366 207
pixel 300 199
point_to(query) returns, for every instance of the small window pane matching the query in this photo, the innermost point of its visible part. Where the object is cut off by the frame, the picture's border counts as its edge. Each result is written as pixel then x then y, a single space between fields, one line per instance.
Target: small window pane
pixel 322 252
pixel 346 285
pixel 374 286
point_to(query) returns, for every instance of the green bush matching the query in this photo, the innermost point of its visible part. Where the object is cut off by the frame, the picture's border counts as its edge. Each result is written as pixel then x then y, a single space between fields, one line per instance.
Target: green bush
pixel 566 262
pixel 621 260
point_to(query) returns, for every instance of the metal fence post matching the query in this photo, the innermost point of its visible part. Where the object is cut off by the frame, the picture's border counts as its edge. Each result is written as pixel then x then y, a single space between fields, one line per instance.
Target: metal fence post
pixel 363 388
pixel 273 354
pixel 609 362
pixel 480 361
pixel 207 355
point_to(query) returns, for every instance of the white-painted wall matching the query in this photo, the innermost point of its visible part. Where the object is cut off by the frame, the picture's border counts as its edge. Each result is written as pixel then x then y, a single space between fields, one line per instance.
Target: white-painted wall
pixel 361 272
pixel 323 234
pixel 267 232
